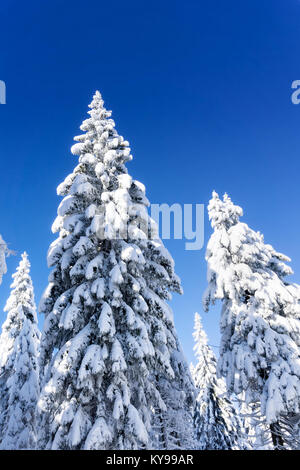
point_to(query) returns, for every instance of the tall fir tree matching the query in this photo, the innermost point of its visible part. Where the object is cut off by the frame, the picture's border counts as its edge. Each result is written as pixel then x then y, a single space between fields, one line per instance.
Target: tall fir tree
pixel 216 424
pixel 109 344
pixel 260 319
pixel 19 370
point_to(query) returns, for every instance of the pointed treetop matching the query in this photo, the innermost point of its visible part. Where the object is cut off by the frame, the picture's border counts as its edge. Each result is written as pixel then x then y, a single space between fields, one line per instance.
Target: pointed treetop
pixel 98 112
pixel 100 140
pixel 97 101
pixel 25 256
pixel 199 332
pixel 22 293
pixel 202 350
pixel 223 213
pixel 97 94
pixel 24 264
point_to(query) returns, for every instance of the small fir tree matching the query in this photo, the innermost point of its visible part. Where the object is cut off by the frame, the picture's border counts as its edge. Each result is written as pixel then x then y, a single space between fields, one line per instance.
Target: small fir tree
pixel 19 371
pixel 216 424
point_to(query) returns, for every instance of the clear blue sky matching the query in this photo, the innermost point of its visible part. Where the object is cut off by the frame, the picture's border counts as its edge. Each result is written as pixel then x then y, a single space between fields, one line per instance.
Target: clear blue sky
pixel 201 89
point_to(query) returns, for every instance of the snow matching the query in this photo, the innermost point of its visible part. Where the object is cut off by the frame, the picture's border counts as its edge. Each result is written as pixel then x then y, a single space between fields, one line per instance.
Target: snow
pixel 98 288
pixel 106 323
pixel 98 436
pixel 136 425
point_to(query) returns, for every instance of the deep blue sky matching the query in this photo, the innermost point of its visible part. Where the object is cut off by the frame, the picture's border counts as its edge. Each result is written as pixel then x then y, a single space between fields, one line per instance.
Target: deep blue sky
pixel 201 89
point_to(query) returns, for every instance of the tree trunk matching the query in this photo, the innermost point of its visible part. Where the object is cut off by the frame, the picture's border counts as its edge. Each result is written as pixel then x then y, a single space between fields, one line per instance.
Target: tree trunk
pixel 276 436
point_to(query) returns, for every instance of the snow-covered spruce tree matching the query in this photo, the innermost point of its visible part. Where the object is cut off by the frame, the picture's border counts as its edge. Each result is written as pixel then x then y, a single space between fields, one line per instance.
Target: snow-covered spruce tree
pixel 109 341
pixel 260 323
pixel 19 371
pixel 216 424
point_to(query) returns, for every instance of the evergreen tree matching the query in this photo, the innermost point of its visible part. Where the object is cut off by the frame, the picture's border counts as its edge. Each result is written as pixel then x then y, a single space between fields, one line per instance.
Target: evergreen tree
pixel 216 424
pixel 109 341
pixel 260 324
pixel 19 372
